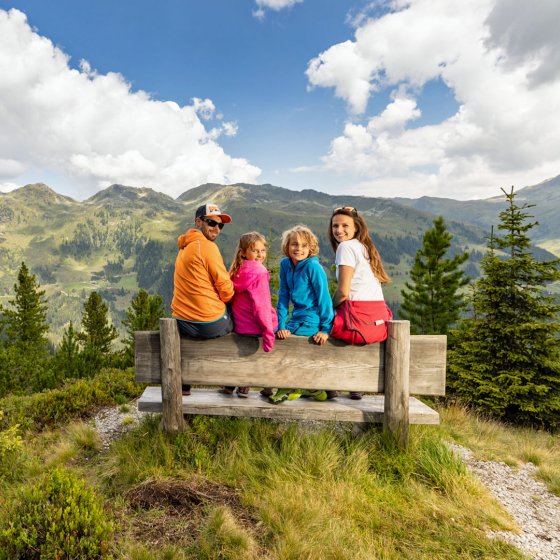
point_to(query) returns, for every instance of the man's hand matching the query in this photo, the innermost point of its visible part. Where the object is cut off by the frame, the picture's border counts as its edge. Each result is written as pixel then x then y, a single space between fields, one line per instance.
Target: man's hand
pixel 283 333
pixel 320 338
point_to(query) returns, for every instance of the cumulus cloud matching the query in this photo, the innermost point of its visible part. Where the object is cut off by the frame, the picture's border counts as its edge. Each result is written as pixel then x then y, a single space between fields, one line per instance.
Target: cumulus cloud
pixel 94 130
pixel 275 5
pixel 500 60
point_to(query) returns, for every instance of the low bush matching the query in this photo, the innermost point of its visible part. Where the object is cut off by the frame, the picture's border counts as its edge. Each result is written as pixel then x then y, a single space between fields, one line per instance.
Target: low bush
pixel 57 517
pixel 76 399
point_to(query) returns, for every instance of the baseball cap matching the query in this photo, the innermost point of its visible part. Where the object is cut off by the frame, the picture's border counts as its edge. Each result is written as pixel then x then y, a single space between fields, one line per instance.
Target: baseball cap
pixel 210 210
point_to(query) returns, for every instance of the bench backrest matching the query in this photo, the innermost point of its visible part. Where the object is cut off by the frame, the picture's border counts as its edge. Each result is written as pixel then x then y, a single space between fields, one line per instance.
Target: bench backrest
pixel 294 362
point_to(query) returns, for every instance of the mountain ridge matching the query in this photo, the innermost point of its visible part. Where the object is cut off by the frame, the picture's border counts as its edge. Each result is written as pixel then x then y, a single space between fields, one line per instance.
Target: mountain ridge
pixel 124 238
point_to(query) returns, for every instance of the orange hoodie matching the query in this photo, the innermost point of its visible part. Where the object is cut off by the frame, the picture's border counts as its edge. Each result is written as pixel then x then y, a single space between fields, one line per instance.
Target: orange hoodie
pixel 201 282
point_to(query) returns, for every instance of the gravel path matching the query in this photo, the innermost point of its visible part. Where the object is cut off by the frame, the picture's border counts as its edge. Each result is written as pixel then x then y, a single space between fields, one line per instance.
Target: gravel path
pixel 535 510
pixel 113 421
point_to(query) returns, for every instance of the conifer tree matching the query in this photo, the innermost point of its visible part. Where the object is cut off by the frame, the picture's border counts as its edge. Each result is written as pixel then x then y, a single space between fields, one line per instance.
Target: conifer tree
pixel 432 301
pixel 506 360
pixel 26 322
pixel 24 360
pixel 143 314
pixel 68 359
pixel 97 333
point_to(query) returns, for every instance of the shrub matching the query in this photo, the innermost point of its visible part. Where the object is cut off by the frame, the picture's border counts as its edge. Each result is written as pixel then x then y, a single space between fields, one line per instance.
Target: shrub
pixel 58 517
pixel 11 457
pixel 74 400
pixel 10 440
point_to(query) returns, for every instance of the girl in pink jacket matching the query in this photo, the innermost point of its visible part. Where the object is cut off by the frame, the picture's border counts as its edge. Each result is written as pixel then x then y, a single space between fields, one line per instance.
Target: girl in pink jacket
pixel 251 308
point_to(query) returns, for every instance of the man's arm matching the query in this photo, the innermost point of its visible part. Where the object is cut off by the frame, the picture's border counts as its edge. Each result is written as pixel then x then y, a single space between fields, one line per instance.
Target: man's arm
pixel 220 276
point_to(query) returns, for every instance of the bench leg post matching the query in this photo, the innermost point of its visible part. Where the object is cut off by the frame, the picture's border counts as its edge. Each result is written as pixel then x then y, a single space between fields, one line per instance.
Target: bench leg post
pixel 397 396
pixel 171 394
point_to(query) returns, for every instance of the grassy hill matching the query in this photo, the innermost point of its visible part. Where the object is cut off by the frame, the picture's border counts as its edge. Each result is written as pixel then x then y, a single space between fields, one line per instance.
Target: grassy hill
pixel 124 238
pixel 251 488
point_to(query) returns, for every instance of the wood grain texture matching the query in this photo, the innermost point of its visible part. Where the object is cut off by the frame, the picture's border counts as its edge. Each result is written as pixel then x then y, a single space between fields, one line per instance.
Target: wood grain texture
pixel 397 349
pixel 342 409
pixel 295 362
pixel 172 418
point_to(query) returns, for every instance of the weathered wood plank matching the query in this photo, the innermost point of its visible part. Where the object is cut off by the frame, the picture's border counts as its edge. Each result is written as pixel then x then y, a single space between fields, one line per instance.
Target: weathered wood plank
pixel 172 419
pixel 295 362
pixel 397 397
pixel 428 358
pixel 343 409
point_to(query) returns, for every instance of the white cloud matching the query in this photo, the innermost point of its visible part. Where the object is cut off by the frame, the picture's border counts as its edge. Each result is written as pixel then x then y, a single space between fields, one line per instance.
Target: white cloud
pixel 93 130
pixel 275 5
pixel 501 61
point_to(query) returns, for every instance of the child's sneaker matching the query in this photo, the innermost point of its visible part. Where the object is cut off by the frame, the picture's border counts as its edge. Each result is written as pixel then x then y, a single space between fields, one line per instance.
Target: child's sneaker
pixel 242 392
pixel 280 396
pixel 318 395
pixel 294 394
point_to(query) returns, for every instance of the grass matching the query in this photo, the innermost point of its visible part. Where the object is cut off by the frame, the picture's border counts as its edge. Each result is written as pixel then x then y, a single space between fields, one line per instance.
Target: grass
pixel 313 493
pixel 493 441
pixel 248 488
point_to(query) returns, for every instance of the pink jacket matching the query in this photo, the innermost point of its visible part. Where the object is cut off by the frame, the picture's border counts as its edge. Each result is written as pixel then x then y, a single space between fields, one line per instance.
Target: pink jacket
pixel 251 307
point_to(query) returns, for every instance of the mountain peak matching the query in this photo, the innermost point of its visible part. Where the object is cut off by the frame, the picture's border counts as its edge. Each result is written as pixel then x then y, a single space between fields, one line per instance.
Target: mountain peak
pixel 122 196
pixel 39 192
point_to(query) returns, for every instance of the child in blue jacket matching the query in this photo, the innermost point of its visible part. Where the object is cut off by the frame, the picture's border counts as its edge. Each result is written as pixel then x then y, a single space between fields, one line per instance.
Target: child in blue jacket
pixel 303 283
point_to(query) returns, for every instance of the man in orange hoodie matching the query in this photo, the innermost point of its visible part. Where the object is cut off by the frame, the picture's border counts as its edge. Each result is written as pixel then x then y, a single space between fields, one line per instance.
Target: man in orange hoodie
pixel 202 285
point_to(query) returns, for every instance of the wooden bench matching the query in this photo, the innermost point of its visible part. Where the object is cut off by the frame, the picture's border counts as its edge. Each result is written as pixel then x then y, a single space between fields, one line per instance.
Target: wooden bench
pixel 401 366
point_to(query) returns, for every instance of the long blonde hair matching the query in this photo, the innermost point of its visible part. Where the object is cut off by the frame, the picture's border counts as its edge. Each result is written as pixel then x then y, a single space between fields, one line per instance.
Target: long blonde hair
pixel 363 236
pixel 246 241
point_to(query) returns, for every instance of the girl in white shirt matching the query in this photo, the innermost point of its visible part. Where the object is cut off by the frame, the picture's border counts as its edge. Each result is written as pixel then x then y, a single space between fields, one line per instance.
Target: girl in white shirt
pixel 361 312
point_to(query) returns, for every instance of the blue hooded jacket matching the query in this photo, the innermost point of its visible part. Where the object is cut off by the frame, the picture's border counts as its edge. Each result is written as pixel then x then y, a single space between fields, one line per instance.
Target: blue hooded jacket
pixel 305 285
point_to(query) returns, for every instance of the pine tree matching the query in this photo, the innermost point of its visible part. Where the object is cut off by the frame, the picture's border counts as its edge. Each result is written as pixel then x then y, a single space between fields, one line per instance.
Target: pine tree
pixel 506 360
pixel 143 314
pixel 26 323
pixel 24 360
pixel 432 301
pixel 68 358
pixel 97 334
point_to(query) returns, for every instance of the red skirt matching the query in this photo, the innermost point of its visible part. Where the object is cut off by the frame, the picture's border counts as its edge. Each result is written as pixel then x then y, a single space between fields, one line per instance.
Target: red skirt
pixel 361 322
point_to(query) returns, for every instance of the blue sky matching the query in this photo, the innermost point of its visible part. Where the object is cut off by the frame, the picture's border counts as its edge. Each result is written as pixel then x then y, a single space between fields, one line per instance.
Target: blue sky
pixel 392 98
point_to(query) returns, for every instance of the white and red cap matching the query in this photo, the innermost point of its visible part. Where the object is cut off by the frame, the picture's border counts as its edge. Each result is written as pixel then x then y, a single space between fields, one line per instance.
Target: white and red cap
pixel 209 210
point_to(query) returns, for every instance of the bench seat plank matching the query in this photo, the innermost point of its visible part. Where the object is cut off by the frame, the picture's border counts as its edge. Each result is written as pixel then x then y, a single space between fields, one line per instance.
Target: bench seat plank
pixel 343 409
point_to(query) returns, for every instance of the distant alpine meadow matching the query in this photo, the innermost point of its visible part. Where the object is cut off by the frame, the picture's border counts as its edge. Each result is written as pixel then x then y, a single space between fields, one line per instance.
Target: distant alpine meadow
pixel 123 239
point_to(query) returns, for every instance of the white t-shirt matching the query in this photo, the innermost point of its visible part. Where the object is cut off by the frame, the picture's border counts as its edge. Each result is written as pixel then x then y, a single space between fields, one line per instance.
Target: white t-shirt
pixel 365 286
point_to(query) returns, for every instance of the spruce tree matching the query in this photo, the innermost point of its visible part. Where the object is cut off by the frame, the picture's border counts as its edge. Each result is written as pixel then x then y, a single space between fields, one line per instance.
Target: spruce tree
pixel 97 333
pixel 68 358
pixel 24 360
pixel 143 314
pixel 26 323
pixel 432 301
pixel 506 360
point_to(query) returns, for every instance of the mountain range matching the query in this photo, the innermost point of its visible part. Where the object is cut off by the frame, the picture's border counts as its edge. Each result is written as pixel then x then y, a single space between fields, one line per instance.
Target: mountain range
pixel 123 238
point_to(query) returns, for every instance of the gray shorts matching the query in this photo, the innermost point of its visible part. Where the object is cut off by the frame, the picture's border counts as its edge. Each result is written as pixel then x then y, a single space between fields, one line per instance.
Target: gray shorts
pixel 212 329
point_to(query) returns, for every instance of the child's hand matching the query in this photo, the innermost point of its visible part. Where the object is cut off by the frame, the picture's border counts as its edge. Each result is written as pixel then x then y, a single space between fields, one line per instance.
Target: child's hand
pixel 283 334
pixel 320 338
